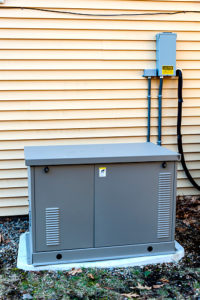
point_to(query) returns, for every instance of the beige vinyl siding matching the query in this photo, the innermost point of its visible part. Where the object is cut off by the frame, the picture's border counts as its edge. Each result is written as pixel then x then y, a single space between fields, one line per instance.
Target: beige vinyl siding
pixel 69 79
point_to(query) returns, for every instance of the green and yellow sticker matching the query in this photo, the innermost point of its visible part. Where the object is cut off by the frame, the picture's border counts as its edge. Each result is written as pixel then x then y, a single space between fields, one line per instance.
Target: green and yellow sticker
pixel 167 70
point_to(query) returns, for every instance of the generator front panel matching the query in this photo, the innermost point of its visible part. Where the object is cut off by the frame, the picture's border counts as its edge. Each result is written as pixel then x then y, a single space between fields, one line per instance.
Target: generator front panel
pixel 64 207
pixel 99 211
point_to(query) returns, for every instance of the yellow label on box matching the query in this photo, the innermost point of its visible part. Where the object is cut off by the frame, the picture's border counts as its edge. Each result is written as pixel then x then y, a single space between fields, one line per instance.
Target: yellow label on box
pixel 102 172
pixel 167 70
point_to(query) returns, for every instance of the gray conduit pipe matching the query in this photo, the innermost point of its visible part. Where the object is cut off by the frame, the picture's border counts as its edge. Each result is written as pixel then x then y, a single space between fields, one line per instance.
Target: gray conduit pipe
pixel 159 142
pixel 149 110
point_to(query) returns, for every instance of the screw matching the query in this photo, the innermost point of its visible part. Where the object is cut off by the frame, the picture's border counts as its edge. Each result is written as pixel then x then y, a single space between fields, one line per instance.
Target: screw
pixel 46 169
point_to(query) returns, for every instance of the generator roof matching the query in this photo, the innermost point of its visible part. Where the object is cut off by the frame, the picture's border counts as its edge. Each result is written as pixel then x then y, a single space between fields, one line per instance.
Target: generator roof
pixel 97 153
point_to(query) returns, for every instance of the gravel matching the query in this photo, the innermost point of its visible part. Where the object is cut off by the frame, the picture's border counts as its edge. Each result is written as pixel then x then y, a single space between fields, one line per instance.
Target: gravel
pixel 10 230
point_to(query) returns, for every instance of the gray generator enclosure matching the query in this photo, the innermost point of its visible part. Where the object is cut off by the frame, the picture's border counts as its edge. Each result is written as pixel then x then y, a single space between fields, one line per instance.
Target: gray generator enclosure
pixel 97 202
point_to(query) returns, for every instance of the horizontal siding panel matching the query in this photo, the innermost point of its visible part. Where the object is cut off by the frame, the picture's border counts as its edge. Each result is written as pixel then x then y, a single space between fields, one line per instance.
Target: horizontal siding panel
pixel 187 148
pixel 91 84
pixel 94 132
pixel 13 173
pixel 83 34
pixel 94 123
pixel 81 54
pixel 12 164
pixel 91 104
pixel 89 114
pixel 94 94
pixel 79 65
pixel 190 68
pixel 86 75
pixel 13 211
pixel 192 165
pixel 10 202
pixel 13 192
pixel 195 174
pixel 8 145
pixel 87 44
pixel 13 154
pixel 70 133
pixel 183 183
pixel 93 54
pixel 13 183
pixel 69 75
pixel 192 156
pixel 69 124
pixel 94 24
pixel 187 191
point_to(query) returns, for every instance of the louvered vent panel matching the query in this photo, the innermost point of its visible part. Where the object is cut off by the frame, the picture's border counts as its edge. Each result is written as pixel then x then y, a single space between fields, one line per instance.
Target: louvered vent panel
pixel 52 226
pixel 164 203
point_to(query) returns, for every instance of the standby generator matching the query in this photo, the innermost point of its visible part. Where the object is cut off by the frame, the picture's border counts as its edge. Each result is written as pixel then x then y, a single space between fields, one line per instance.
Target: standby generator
pixel 97 202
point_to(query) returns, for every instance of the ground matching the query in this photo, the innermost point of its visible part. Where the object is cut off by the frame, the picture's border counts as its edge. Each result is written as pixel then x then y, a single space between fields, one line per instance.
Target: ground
pixel 161 281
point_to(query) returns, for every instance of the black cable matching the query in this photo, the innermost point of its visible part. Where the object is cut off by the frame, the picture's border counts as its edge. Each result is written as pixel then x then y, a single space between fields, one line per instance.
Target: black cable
pixel 179 136
pixel 100 15
pixel 159 142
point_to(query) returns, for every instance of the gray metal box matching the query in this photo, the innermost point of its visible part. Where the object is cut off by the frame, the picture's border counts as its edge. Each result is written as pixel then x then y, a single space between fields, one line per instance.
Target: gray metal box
pixel 166 54
pixel 96 202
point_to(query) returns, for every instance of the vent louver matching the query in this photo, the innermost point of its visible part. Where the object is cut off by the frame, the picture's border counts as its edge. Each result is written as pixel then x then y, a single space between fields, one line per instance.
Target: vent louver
pixel 52 226
pixel 164 205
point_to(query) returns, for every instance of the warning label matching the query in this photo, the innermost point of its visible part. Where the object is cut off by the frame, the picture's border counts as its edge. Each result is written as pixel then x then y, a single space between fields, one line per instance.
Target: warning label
pixel 102 172
pixel 167 70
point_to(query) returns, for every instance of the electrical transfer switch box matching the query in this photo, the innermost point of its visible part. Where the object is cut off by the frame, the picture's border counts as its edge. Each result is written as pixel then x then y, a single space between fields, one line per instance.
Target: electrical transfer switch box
pixel 97 202
pixel 166 54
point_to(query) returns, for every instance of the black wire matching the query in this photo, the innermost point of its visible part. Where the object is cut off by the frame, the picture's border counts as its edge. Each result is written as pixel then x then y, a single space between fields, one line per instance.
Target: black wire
pixel 179 135
pixel 100 15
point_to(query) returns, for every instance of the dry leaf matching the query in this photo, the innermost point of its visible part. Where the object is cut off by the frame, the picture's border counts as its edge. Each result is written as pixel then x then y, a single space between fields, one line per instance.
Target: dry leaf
pixel 74 271
pixel 181 229
pixel 140 287
pixel 186 222
pixel 130 295
pixel 157 286
pixel 90 276
pixel 164 280
pixel 194 199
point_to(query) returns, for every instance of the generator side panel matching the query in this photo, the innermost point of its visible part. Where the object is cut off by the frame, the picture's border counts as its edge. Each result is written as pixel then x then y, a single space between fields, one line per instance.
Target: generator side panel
pixel 31 236
pixel 64 207
pixel 174 201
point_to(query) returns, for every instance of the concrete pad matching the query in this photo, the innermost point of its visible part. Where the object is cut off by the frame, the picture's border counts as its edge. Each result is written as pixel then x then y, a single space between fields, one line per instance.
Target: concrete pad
pixel 115 263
